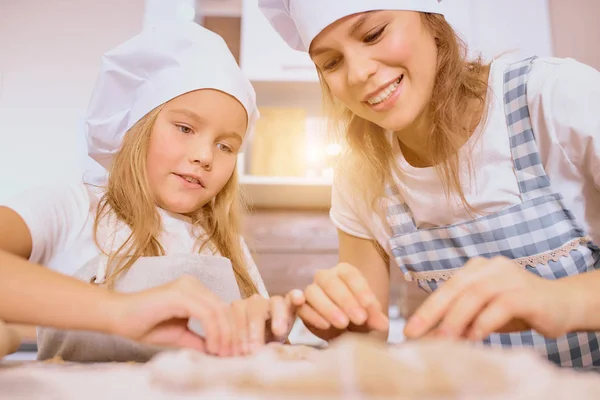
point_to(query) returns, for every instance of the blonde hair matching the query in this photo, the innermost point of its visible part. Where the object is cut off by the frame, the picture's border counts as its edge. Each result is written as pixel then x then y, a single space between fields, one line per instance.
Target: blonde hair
pixel 457 83
pixel 128 198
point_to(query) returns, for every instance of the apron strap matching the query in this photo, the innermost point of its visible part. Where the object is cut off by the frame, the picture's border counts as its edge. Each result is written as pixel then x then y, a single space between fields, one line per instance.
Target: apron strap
pixel 398 215
pixel 531 176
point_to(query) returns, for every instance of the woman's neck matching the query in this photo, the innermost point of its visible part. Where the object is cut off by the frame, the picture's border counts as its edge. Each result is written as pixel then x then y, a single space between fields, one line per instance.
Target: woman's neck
pixel 413 142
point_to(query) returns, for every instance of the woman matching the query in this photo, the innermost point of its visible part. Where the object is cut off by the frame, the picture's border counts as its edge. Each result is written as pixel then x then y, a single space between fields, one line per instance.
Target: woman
pixel 481 174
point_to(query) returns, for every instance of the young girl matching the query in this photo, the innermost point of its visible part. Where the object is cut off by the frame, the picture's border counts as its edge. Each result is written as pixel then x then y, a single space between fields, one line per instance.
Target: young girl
pixel 167 118
pixel 482 175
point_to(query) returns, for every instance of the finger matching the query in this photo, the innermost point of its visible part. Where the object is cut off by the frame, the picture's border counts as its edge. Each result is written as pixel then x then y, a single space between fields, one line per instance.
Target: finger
pixel 322 304
pixel 202 311
pixel 434 334
pixel 377 320
pixel 222 331
pixel 296 297
pixel 338 291
pixel 258 314
pixel 497 317
pixel 516 325
pixel 433 309
pixel 465 309
pixel 227 333
pixel 173 333
pixel 312 318
pixel 192 341
pixel 207 308
pixel 282 315
pixel 233 346
pixel 358 285
pixel 241 326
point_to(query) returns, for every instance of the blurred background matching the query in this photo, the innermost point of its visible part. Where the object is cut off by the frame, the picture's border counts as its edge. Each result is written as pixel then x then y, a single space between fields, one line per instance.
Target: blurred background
pixel 50 54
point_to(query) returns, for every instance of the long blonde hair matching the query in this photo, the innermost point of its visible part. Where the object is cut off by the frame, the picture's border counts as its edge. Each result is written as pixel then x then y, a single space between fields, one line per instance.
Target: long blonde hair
pixel 457 83
pixel 128 198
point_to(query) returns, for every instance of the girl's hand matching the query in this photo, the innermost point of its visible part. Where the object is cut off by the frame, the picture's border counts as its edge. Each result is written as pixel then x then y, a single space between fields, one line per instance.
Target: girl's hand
pixel 495 295
pixel 259 320
pixel 10 339
pixel 159 316
pixel 338 297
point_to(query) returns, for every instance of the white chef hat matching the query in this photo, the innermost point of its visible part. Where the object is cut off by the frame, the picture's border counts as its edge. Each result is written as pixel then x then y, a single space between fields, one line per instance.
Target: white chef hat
pixel 159 64
pixel 298 22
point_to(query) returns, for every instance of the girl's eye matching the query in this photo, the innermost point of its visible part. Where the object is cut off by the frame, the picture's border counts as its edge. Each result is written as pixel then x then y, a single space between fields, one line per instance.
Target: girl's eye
pixel 184 129
pixel 224 147
pixel 373 36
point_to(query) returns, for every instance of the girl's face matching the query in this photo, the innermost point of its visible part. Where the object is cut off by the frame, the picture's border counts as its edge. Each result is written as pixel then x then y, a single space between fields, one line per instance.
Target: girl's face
pixel 193 149
pixel 380 64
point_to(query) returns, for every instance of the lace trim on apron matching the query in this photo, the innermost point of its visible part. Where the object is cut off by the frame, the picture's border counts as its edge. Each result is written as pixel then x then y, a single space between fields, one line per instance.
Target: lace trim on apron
pixel 538 259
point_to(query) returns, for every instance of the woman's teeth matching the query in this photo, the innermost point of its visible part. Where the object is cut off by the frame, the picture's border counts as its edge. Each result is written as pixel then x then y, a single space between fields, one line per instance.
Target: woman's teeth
pixel 385 93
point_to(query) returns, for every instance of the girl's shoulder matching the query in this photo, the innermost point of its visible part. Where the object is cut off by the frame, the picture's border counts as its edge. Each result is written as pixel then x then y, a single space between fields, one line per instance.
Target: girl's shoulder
pixel 61 197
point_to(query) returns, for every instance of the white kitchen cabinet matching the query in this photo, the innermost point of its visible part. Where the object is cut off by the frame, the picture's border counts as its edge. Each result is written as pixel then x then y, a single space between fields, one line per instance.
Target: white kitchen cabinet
pixel 489 27
pixel 264 56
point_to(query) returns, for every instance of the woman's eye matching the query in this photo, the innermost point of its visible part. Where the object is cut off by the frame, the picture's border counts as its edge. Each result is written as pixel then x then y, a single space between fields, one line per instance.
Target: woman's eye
pixel 373 36
pixel 331 64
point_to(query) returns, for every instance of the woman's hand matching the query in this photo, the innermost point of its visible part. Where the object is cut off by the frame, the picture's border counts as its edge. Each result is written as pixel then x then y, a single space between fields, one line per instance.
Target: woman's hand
pixel 159 316
pixel 259 320
pixel 338 297
pixel 496 295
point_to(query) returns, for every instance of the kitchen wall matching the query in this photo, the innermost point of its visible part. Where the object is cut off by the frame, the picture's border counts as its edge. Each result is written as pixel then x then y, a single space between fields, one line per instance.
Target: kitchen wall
pixel 575 29
pixel 49 57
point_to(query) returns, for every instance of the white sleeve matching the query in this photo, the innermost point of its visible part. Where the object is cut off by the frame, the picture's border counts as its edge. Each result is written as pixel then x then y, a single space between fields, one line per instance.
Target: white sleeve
pixel 253 270
pixel 564 99
pixel 344 209
pixel 54 216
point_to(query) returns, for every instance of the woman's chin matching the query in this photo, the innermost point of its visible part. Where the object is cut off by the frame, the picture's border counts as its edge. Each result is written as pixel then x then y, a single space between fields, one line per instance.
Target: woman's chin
pixel 398 120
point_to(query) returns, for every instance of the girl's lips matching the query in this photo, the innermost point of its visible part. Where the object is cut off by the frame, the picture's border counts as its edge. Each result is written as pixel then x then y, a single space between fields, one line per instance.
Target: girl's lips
pixel 188 184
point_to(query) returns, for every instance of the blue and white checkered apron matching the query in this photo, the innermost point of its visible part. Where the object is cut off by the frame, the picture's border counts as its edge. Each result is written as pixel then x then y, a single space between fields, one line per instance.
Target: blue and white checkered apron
pixel 527 233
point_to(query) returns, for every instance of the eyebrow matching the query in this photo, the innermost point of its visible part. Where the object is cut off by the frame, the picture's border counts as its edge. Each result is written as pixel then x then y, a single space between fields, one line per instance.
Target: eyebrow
pixel 353 29
pixel 233 135
pixel 199 120
pixel 189 114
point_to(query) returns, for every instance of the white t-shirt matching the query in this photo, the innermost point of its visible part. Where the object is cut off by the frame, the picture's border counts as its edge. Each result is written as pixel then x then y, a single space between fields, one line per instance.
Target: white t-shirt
pixel 564 98
pixel 61 221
